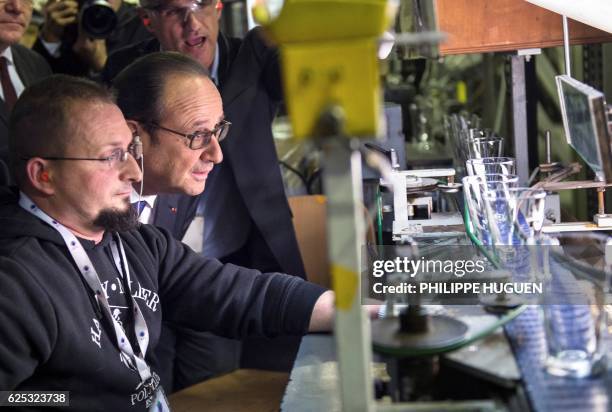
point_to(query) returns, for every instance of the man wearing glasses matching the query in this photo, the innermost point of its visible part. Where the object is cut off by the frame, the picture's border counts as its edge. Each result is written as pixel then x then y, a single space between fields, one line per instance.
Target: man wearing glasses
pixel 175 110
pixel 247 220
pixel 19 66
pixel 84 286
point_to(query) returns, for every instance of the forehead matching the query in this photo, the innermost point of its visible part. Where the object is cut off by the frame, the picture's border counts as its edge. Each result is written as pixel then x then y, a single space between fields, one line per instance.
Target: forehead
pixel 171 3
pixel 191 98
pixel 100 124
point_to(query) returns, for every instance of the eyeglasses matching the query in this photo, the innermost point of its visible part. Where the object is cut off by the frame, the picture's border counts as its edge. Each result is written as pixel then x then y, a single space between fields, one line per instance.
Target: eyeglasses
pixel 199 8
pixel 199 139
pixel 116 158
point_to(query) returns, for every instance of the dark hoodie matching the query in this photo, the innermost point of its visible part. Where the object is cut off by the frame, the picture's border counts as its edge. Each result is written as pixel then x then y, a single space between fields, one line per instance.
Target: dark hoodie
pixel 53 337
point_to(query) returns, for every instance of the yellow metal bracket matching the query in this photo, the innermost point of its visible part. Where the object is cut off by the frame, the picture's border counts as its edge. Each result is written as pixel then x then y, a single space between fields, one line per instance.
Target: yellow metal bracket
pixel 328 51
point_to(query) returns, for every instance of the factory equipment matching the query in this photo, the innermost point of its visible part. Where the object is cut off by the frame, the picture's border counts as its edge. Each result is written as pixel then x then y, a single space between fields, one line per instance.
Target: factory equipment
pixel 330 75
pixel 322 105
pixel 586 125
pixel 413 212
pixel 331 81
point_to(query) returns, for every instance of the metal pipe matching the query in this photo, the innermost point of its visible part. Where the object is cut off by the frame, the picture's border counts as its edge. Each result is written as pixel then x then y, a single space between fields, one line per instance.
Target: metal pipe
pixel 566 47
pixel 601 205
pixel 519 118
pixel 548 151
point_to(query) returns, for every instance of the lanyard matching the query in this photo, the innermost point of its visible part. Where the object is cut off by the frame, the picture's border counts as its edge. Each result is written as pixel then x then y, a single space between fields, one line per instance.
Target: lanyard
pixel 89 273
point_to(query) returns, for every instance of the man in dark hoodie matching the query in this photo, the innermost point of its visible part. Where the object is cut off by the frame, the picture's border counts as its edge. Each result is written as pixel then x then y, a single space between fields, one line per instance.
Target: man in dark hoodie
pixel 83 286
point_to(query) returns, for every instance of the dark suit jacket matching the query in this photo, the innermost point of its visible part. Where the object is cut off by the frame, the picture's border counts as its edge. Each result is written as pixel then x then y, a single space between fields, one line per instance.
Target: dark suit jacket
pixel 245 192
pixel 174 213
pixel 5 177
pixel 30 67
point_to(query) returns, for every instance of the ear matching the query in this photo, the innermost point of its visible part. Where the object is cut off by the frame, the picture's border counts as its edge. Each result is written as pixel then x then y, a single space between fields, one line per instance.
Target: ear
pixel 138 130
pixel 145 17
pixel 134 127
pixel 40 175
pixel 219 8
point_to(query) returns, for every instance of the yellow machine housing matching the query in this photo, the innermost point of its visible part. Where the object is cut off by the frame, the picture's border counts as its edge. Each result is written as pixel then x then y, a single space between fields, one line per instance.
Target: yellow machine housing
pixel 328 55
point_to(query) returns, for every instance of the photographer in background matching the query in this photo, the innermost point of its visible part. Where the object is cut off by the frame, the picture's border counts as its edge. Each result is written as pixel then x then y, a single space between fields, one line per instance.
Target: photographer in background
pixel 19 68
pixel 70 48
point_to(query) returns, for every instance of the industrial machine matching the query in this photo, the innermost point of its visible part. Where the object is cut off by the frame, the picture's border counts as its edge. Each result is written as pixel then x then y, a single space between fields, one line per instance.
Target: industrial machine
pixel 331 77
pixel 586 125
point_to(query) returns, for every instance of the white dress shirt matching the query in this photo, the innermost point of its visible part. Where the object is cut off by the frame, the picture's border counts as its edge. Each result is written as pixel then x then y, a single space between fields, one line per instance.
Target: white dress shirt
pixel 12 70
pixel 145 215
pixel 214 70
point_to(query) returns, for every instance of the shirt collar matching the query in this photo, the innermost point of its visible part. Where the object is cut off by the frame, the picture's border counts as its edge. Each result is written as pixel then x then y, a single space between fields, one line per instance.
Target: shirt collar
pixel 8 53
pixel 214 70
pixel 135 197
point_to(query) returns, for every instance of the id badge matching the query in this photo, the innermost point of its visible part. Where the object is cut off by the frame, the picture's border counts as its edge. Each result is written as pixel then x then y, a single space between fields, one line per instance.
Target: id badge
pixel 160 402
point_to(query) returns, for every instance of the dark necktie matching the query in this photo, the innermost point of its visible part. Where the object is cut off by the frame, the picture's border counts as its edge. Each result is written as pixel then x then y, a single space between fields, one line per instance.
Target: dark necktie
pixel 10 96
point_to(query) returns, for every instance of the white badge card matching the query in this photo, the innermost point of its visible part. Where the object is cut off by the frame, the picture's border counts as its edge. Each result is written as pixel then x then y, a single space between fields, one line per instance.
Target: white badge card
pixel 160 402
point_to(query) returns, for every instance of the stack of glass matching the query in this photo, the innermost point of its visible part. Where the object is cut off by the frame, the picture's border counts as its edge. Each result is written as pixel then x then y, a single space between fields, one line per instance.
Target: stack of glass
pixel 476 188
pixel 577 281
pixel 458 128
pixel 508 220
pixel 500 212
pixel 503 217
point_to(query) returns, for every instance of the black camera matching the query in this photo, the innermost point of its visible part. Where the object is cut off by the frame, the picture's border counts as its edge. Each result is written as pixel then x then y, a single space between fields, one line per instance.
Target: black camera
pixel 97 18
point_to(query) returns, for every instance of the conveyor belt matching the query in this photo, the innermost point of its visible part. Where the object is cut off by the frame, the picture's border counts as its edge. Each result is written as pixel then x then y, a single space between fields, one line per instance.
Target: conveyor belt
pixel 550 393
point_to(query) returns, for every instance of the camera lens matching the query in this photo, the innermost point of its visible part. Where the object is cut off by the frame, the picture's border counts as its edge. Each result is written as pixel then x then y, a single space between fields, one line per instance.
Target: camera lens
pixel 98 19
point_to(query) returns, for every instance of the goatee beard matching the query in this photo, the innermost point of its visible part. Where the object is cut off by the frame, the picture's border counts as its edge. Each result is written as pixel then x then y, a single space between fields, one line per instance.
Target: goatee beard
pixel 114 220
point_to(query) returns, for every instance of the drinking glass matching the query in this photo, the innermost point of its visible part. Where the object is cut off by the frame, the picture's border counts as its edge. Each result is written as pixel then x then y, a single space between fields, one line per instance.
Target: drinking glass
pixel 474 188
pixel 577 271
pixel 488 165
pixel 483 146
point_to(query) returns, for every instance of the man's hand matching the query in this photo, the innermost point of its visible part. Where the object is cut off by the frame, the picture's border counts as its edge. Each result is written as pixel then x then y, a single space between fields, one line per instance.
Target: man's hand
pixel 323 313
pixel 58 15
pixel 322 318
pixel 91 51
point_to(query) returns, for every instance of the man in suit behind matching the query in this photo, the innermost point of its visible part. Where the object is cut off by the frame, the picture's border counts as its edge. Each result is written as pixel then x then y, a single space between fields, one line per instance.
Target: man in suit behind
pixel 19 66
pixel 247 220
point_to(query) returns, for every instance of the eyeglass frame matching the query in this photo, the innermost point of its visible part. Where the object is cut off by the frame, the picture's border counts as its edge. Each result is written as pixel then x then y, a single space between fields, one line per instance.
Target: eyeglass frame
pixel 190 136
pixel 118 156
pixel 186 10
